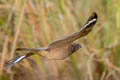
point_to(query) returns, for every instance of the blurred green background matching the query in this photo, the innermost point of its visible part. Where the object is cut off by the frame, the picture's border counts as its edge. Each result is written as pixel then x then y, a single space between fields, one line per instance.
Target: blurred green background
pixel 36 23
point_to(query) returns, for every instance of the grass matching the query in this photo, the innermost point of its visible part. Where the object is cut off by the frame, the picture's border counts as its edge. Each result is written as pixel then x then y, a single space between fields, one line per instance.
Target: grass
pixel 35 23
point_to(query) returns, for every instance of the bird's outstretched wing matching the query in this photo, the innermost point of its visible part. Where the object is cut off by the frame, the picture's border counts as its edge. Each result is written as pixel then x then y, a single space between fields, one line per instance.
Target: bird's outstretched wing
pixel 31 51
pixel 12 62
pixel 83 32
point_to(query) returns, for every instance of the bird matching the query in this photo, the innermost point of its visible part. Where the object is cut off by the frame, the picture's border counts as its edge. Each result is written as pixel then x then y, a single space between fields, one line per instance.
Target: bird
pixel 59 49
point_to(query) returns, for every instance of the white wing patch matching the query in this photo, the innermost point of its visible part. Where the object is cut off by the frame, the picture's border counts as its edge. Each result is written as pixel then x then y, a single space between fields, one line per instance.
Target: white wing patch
pixel 91 21
pixel 19 59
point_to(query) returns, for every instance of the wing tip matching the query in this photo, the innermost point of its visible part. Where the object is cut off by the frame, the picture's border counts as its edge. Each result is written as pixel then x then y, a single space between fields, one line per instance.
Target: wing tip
pixel 95 15
pixel 92 19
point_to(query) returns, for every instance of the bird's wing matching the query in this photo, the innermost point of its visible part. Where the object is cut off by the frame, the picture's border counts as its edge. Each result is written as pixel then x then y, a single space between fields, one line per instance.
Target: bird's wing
pixel 12 62
pixel 83 32
pixel 31 51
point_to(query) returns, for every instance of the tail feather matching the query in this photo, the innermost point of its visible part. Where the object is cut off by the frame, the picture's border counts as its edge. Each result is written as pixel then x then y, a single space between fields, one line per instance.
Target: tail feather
pixel 29 49
pixel 16 60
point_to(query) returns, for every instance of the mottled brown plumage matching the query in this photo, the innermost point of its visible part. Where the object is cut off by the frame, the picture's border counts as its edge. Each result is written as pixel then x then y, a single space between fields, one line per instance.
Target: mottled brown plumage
pixel 59 49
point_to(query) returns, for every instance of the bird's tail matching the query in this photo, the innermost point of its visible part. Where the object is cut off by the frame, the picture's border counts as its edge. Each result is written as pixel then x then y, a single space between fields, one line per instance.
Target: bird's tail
pixel 29 49
pixel 17 59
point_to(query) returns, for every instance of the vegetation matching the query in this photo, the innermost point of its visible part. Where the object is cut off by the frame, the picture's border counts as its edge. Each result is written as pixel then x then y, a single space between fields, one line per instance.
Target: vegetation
pixel 35 23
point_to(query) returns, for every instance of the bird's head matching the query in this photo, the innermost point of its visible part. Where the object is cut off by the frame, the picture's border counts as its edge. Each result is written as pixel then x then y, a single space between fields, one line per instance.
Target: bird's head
pixel 74 47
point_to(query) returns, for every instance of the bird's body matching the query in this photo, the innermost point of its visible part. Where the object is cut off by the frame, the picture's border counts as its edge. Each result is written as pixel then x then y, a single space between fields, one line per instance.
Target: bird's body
pixel 56 53
pixel 59 49
pixel 69 49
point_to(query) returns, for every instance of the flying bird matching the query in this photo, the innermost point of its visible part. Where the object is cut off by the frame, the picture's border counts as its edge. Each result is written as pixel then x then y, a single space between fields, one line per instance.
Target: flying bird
pixel 59 49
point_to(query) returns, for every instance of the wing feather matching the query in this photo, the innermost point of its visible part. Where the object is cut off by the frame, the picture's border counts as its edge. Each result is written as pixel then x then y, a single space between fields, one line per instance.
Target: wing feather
pixel 83 32
pixel 12 62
